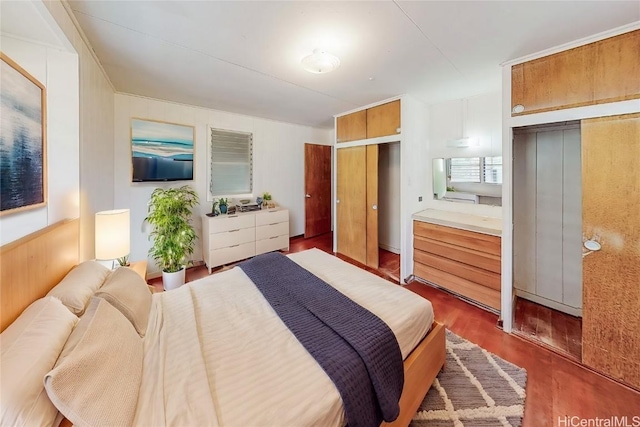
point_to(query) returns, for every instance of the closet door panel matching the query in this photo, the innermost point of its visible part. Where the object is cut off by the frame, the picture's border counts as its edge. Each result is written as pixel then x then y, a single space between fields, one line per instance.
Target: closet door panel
pixel 572 219
pixel 549 215
pixel 524 208
pixel 352 207
pixel 610 215
pixel 372 206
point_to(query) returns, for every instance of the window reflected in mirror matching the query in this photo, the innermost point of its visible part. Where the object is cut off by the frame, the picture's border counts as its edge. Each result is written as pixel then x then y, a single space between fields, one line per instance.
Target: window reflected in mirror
pixel 475 180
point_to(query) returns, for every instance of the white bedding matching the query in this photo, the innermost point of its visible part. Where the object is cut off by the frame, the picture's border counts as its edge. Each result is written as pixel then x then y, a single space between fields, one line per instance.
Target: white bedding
pixel 217 354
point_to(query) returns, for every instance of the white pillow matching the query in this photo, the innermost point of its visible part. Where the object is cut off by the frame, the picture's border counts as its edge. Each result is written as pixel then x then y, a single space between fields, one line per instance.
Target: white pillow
pixel 98 381
pixel 30 347
pixel 129 293
pixel 79 285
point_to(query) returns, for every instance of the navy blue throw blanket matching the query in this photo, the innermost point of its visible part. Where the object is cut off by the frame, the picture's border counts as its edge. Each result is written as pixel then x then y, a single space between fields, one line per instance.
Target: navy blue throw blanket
pixel 356 349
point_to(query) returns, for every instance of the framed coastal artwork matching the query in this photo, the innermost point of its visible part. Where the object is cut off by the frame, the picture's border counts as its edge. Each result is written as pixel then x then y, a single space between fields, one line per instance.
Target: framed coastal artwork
pixel 23 141
pixel 161 151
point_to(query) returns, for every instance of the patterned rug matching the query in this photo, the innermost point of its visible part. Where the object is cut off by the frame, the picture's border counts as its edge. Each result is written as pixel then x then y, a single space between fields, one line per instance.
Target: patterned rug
pixel 476 388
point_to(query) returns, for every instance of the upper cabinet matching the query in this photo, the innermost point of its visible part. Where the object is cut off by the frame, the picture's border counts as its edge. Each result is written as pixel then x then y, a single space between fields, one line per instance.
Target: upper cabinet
pixel 352 126
pixel 382 120
pixel 596 73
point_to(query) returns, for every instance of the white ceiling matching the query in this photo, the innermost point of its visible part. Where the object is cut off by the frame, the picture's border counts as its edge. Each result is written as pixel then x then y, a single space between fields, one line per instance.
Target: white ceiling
pixel 25 20
pixel 245 57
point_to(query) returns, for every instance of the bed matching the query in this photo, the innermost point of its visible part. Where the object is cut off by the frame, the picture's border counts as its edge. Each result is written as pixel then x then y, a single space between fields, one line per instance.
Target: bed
pixel 236 348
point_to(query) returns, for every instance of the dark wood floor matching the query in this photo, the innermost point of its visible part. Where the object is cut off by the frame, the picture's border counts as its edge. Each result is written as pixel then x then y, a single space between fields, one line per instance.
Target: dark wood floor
pixel 560 331
pixel 557 387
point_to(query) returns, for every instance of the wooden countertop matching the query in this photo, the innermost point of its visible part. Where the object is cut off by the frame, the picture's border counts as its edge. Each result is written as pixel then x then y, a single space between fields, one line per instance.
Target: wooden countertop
pixel 464 221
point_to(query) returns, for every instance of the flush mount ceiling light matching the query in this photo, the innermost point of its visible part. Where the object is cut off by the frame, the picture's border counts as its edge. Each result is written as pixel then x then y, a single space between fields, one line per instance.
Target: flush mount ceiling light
pixel 320 62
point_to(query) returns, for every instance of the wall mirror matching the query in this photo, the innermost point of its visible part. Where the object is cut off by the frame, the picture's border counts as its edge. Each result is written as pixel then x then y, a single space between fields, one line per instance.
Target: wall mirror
pixel 475 180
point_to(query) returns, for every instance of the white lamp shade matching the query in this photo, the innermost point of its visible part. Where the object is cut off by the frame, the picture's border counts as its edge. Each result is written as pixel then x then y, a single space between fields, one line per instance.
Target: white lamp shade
pixel 112 234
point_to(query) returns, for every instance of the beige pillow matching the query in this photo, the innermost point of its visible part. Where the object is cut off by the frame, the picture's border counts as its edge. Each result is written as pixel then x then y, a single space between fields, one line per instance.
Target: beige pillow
pixel 79 285
pixel 128 292
pixel 30 347
pixel 98 381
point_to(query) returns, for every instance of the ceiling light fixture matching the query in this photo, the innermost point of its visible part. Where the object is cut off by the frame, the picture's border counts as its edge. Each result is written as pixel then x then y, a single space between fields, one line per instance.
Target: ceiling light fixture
pixel 320 62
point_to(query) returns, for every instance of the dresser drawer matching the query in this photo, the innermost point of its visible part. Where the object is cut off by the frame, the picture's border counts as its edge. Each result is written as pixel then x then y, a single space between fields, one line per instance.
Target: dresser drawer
pixel 454 236
pixel 224 223
pixel 272 217
pixel 231 238
pixel 231 254
pixel 272 244
pixel 272 230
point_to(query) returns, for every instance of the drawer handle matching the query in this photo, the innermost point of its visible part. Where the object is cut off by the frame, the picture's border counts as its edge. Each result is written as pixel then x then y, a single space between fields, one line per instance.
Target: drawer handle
pixel 232 216
pixel 274 223
pixel 274 237
pixel 233 231
pixel 235 246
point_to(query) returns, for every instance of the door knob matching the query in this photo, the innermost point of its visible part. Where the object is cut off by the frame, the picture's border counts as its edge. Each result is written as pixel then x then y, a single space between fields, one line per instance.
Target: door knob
pixel 308 196
pixel 338 201
pixel 374 207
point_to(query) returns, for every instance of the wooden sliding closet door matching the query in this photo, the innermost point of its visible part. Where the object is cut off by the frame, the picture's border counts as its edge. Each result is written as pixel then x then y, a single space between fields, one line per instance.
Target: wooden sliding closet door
pixel 611 216
pixel 352 202
pixel 372 206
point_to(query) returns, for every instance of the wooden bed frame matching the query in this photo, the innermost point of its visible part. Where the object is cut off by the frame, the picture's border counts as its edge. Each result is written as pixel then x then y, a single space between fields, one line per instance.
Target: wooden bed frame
pixel 31 266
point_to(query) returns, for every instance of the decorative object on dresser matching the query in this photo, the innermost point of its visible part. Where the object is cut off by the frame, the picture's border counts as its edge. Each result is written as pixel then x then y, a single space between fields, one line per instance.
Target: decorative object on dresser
pixel 460 253
pixel 22 139
pixel 223 204
pixel 230 238
pixel 173 235
pixel 112 239
pixel 266 200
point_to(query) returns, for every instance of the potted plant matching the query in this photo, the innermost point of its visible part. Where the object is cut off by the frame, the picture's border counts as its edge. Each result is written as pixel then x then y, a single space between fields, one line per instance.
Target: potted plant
pixel 223 203
pixel 266 199
pixel 173 235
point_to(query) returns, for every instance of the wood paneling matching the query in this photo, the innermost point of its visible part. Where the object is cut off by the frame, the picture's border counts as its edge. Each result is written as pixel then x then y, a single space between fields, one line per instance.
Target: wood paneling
pixel 352 207
pixel 466 271
pixel 466 239
pixel 596 73
pixel 383 120
pixel 372 206
pixel 611 276
pixel 317 184
pixel 31 266
pixel 352 127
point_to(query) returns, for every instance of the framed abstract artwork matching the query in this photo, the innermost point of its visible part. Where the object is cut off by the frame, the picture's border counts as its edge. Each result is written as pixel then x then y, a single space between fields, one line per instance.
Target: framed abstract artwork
pixel 161 151
pixel 23 147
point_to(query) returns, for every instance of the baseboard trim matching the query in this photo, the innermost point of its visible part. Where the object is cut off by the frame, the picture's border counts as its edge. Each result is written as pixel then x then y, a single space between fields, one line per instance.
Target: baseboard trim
pixel 389 248
pixel 576 312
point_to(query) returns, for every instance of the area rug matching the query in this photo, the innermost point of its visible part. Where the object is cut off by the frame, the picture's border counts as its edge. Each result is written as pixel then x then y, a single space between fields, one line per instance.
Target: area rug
pixel 476 388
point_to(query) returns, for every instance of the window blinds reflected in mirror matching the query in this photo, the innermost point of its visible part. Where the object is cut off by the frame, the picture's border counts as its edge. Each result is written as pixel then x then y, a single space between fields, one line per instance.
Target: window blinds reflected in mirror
pixel 231 163
pixel 476 180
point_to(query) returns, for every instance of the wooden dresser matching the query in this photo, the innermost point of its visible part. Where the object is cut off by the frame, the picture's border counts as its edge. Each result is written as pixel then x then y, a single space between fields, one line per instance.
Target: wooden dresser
pixel 460 260
pixel 230 238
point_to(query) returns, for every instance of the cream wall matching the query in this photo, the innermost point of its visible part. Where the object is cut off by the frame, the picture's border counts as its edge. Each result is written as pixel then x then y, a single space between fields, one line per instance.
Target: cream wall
pixel 278 162
pixel 57 70
pixel 96 166
pixel 478 116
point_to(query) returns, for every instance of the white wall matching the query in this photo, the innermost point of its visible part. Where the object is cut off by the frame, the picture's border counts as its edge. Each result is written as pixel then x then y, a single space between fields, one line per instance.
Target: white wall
pixel 57 70
pixel 278 162
pixel 96 168
pixel 389 196
pixel 477 117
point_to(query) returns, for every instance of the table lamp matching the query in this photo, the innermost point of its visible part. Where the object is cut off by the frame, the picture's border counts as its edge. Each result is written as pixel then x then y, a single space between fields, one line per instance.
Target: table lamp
pixel 112 235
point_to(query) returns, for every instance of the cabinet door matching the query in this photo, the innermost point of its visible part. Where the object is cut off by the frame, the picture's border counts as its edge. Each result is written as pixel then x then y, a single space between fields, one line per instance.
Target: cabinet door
pixel 352 202
pixel 383 120
pixel 596 73
pixel 611 276
pixel 352 127
pixel 563 80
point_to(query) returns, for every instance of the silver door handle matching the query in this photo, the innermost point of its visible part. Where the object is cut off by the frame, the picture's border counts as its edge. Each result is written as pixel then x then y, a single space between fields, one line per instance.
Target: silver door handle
pixel 308 196
pixel 374 207
pixel 338 201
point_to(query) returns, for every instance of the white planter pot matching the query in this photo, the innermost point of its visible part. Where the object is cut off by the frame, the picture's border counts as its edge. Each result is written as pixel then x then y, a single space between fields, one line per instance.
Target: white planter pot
pixel 173 280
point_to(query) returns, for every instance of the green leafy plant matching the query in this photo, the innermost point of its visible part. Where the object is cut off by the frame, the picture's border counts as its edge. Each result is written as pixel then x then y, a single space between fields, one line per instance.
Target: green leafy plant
pixel 213 206
pixel 173 235
pixel 123 261
pixel 266 196
pixel 223 201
